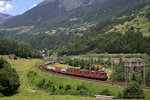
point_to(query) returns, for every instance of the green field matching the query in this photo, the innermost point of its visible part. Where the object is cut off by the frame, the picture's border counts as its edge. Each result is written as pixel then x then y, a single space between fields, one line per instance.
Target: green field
pixel 26 91
pixel 29 92
pixel 144 24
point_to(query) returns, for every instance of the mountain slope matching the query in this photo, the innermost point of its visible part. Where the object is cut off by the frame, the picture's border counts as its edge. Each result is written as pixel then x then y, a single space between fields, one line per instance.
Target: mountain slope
pixel 57 22
pixel 3 17
pixel 126 34
pixel 46 10
pixel 86 10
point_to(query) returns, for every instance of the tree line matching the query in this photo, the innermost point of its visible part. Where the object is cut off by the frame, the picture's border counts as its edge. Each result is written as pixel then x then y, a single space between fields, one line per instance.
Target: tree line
pixel 85 64
pixel 114 42
pixel 21 49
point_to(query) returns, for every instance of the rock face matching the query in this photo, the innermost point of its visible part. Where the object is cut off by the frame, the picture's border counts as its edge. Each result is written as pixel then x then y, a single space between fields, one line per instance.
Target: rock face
pixel 72 4
pixel 47 10
pixel 85 9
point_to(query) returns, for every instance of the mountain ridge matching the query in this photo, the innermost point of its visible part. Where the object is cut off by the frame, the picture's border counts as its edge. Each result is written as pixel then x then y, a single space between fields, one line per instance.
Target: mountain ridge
pixel 4 17
pixel 61 26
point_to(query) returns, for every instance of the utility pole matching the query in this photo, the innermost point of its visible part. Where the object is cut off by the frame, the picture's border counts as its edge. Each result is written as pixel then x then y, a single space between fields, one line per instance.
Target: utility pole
pixel 112 66
pixel 90 63
pixel 73 69
pixel 144 76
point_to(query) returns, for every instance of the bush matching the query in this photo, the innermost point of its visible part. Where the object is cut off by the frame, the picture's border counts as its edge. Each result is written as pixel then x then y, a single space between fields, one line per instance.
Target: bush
pixel 137 77
pixel 1 95
pixel 120 95
pixel 106 92
pixel 53 89
pixel 118 73
pixel 9 79
pixel 47 85
pixel 61 90
pixel 32 74
pixel 147 77
pixel 61 87
pixel 41 84
pixel 133 91
pixel 81 90
pixel 44 84
pixel 68 87
pixel 148 15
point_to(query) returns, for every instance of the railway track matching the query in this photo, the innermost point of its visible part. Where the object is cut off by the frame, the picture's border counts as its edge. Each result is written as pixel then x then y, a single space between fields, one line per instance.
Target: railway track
pixel 87 79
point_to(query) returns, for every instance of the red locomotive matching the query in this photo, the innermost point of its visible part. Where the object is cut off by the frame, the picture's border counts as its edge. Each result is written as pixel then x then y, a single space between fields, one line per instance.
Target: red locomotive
pixel 81 73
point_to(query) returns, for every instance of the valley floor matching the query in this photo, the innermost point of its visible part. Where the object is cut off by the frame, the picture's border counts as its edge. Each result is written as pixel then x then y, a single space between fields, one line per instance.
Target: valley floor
pixel 23 66
pixel 27 92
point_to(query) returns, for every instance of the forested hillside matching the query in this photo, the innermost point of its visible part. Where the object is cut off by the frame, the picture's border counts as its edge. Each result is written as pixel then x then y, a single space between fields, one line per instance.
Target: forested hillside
pixel 123 35
pixel 52 23
pixel 21 49
pixel 114 42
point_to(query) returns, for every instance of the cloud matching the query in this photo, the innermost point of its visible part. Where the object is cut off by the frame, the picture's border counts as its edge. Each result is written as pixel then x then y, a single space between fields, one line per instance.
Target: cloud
pixel 8 7
pixel 1 3
pixel 5 7
pixel 34 5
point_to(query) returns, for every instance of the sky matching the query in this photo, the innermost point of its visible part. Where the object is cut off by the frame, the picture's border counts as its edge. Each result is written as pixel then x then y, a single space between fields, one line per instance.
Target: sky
pixel 17 7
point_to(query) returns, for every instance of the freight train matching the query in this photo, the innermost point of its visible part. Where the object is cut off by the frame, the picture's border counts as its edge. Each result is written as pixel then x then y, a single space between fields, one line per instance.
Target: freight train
pixel 101 75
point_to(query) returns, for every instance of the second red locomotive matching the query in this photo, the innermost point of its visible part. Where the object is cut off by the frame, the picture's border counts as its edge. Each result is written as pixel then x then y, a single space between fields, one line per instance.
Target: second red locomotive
pixel 101 75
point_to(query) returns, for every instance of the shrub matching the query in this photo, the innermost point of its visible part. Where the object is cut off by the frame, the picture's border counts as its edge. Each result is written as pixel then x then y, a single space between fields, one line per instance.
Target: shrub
pixel 81 90
pixel 147 77
pixel 31 74
pixel 53 89
pixel 101 62
pixel 61 90
pixel 106 92
pixel 118 73
pixel 41 84
pixel 61 86
pixel 9 79
pixel 48 84
pixel 137 77
pixel 133 91
pixel 148 15
pixel 1 95
pixel 120 95
pixel 68 87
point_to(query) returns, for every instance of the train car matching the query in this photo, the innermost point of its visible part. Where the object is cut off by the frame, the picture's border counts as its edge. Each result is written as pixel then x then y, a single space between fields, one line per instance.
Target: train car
pixel 90 74
pixel 50 68
pixel 74 72
pixel 63 70
pixel 58 69
pixel 101 75
pixel 85 73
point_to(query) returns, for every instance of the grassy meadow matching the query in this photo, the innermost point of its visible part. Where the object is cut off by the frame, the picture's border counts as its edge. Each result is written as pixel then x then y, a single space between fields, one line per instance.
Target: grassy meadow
pixel 28 91
pixel 143 24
